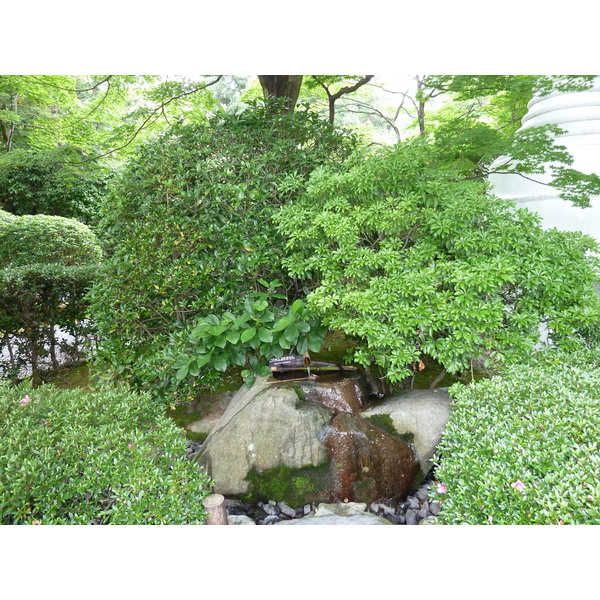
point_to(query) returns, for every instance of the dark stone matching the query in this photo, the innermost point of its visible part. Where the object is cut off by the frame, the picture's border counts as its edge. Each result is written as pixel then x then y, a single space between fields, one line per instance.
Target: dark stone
pixel 257 513
pixel 286 510
pixel 424 511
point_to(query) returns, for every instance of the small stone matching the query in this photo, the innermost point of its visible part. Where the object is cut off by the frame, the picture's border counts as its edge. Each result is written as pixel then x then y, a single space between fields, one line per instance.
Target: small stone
pixel 271 509
pixel 272 503
pixel 240 520
pixel 299 512
pixel 434 508
pixel 424 511
pixel 422 494
pixel 414 503
pixel 257 514
pixel 411 516
pixel 271 520
pixel 387 510
pixel 395 519
pixel 374 507
pixel 429 521
pixel 307 509
pixel 286 510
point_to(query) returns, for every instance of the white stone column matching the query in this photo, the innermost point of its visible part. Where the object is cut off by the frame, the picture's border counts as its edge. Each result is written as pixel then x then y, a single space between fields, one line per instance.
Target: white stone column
pixel 578 113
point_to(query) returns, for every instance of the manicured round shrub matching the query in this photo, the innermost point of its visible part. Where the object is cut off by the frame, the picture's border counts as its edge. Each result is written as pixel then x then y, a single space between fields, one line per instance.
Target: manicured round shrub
pixel 70 457
pixel 43 239
pixel 523 447
pixel 188 232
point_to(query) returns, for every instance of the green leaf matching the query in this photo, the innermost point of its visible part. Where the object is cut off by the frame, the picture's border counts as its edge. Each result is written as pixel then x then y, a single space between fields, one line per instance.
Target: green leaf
pixel 265 335
pixel 291 333
pixel 233 337
pixel 220 363
pixel 297 305
pixel 221 341
pixel 260 305
pixel 182 373
pixel 181 361
pixel 248 334
pixel 284 322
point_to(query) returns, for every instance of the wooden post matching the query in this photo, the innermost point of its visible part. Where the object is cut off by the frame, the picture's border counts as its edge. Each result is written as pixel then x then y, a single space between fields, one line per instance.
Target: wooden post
pixel 215 507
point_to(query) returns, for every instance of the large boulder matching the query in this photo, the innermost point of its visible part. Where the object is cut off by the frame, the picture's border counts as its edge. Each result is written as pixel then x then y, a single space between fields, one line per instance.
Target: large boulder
pixel 289 442
pixel 268 435
pixel 421 415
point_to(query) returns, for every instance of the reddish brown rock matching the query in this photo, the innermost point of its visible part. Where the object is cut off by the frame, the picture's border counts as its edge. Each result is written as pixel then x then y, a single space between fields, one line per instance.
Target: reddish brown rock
pixel 367 463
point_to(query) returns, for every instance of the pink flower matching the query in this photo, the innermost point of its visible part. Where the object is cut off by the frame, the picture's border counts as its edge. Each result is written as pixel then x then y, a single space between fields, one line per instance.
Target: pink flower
pixel 130 445
pixel 518 485
pixel 46 422
pixel 441 488
pixel 25 400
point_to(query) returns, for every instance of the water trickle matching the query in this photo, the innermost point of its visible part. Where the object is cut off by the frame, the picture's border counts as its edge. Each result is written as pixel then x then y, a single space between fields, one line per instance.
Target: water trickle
pixel 367 462
pixel 341 392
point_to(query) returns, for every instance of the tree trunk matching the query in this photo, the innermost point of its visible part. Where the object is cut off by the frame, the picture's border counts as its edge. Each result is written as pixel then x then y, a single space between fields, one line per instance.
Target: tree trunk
pixel 282 86
pixel 215 507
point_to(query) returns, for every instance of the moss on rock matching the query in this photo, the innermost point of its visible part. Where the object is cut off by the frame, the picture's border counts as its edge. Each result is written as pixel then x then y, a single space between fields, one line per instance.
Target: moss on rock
pixel 295 487
pixel 386 423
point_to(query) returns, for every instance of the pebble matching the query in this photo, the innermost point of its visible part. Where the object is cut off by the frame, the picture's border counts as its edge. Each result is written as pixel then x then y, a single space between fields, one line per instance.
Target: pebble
pixel 271 519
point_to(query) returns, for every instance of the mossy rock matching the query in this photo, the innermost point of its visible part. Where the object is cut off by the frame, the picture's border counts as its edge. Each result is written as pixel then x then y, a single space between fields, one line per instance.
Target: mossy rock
pixel 295 487
pixel 386 423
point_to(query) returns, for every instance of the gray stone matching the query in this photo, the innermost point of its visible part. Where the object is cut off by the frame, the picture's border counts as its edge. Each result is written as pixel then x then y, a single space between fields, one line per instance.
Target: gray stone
pixel 262 428
pixel 411 516
pixel 429 521
pixel 422 493
pixel 434 508
pixel 364 518
pixel 375 507
pixel 307 508
pixel 413 502
pixel 270 509
pixel 422 413
pixel 271 520
pixel 240 520
pixel 342 509
pixel 423 512
pixel 286 510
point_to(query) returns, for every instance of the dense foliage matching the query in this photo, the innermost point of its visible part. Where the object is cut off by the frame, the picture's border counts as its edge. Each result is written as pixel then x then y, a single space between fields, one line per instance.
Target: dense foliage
pixel 112 457
pixel 189 232
pixel 412 262
pixel 47 265
pixel 51 182
pixel 522 448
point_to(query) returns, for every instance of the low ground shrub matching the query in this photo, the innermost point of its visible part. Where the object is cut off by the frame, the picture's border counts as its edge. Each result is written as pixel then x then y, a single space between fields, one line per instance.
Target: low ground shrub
pixel 523 447
pixel 111 457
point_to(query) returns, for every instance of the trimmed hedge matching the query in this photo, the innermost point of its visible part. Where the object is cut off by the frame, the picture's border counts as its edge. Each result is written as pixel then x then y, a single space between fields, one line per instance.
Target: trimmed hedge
pixel 47 266
pixel 111 457
pixel 43 239
pixel 524 447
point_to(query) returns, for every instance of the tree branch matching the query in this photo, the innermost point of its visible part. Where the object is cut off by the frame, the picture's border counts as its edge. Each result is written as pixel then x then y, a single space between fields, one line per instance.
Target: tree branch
pixel 148 118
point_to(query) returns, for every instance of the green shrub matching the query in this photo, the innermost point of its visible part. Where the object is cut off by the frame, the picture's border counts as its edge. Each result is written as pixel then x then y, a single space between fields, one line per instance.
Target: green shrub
pixel 45 182
pixel 47 265
pixel 188 231
pixel 111 457
pixel 412 262
pixel 538 424
pixel 42 239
